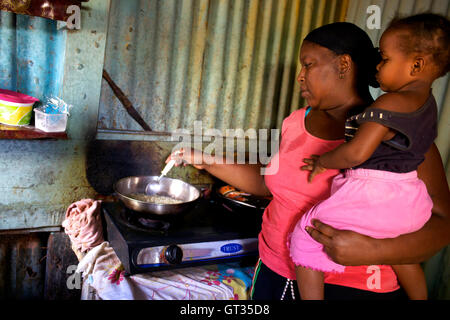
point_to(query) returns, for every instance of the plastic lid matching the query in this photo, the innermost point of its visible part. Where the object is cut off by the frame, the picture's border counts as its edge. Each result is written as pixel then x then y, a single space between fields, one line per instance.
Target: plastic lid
pixel 16 97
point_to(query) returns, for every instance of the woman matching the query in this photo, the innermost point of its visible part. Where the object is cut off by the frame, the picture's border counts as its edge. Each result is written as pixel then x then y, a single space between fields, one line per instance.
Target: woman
pixel 338 64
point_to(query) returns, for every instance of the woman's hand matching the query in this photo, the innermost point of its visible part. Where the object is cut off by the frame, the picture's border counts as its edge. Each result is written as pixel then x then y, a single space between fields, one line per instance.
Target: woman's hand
pixel 185 157
pixel 343 246
pixel 313 165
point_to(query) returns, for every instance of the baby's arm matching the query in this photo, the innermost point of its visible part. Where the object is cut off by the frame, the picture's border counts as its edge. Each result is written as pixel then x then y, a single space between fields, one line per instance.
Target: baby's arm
pixel 356 151
pixel 350 154
pixel 361 147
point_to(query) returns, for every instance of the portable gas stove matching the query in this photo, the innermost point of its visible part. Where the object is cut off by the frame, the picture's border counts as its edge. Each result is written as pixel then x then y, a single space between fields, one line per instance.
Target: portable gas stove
pixel 208 233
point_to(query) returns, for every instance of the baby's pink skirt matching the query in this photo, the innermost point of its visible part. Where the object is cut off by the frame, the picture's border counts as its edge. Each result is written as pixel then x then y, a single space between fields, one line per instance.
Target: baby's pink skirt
pixel 376 203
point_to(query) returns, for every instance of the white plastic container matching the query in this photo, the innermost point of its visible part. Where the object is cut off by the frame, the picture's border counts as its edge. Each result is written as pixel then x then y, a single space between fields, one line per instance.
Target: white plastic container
pixel 50 122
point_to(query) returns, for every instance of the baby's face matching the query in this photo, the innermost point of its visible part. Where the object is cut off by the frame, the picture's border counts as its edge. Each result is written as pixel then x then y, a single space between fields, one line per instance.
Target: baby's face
pixel 394 70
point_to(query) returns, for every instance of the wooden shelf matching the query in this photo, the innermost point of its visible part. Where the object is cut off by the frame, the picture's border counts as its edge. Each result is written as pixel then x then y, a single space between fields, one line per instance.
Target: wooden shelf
pixel 28 133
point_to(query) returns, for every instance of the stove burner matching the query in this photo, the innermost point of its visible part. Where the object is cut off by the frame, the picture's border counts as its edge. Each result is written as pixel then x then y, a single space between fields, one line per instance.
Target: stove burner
pixel 138 222
pixel 154 224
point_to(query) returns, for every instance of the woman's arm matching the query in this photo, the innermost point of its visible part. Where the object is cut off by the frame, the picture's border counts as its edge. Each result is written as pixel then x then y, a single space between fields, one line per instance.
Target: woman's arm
pixel 245 177
pixel 351 248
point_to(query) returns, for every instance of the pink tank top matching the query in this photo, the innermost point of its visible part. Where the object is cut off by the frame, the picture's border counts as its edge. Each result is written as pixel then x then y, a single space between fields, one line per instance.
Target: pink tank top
pixel 293 196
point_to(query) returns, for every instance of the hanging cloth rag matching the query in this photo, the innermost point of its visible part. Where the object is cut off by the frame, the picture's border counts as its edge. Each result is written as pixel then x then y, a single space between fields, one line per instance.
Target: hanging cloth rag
pixel 83 224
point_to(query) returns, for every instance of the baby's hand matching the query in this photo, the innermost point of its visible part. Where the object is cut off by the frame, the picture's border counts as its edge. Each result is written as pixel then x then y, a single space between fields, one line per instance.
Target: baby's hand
pixel 313 165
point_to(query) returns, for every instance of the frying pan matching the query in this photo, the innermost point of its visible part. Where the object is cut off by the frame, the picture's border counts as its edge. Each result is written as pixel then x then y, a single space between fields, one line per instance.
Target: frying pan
pixel 149 185
pixel 249 202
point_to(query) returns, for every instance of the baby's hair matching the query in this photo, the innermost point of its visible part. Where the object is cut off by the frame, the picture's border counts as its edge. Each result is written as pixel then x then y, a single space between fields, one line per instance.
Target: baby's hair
pixel 429 33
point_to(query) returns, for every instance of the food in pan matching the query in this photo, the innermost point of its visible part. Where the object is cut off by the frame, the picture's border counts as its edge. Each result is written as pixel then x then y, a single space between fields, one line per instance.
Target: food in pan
pixel 233 193
pixel 154 199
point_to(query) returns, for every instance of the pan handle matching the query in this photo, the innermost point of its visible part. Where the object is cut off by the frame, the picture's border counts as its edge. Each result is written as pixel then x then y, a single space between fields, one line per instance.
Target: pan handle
pixel 107 198
pixel 205 192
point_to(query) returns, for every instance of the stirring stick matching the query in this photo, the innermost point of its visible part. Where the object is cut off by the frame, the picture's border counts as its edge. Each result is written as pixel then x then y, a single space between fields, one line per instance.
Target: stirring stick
pixel 168 166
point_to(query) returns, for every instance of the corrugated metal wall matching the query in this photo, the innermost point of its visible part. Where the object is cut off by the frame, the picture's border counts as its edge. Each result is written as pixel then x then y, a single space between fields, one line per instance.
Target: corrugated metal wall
pixel 39 179
pixel 32 57
pixel 437 269
pixel 32 54
pixel 231 64
pixel 22 266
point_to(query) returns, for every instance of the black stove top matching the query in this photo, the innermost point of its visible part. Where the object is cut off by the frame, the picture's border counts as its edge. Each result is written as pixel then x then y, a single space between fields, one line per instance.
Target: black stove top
pixel 207 233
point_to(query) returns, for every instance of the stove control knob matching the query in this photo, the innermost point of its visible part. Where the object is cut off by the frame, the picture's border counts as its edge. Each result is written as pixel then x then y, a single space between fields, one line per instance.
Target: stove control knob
pixel 173 254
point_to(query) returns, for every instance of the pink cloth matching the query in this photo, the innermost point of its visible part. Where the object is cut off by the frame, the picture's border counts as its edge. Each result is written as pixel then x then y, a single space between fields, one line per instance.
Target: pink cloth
pixel 83 224
pixel 376 203
pixel 292 194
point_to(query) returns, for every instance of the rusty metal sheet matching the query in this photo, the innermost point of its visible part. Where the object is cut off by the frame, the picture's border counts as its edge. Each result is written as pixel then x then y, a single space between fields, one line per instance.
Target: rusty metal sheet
pixel 22 266
pixel 31 55
pixel 40 179
pixel 230 64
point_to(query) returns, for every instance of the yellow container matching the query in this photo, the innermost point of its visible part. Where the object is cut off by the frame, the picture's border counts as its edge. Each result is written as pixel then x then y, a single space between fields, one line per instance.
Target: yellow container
pixel 15 108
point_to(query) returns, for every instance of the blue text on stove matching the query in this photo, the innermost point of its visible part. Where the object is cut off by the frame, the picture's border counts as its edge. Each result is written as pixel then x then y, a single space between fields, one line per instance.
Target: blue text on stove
pixel 231 248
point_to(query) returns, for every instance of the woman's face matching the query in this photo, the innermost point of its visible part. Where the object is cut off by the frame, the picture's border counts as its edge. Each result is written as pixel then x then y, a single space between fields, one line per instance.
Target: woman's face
pixel 395 66
pixel 319 75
